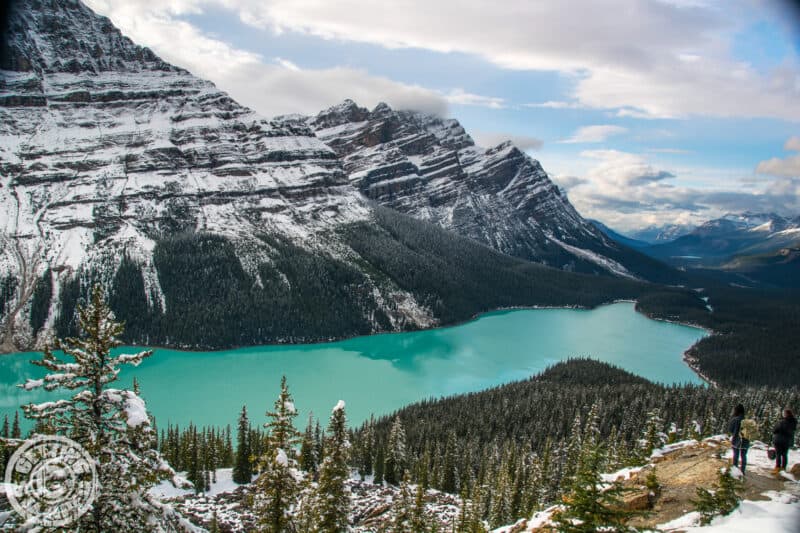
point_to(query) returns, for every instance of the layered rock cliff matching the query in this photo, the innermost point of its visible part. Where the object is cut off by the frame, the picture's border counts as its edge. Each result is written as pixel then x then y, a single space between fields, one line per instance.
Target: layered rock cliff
pixel 212 226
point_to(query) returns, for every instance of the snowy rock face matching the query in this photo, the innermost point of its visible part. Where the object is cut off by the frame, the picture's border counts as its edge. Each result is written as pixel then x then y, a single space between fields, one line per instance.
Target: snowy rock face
pixel 431 169
pixel 105 148
pixel 102 141
pixel 211 226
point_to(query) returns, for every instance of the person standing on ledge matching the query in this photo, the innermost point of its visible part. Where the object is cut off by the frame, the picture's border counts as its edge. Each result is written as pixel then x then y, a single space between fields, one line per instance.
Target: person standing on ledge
pixel 739 444
pixel 783 438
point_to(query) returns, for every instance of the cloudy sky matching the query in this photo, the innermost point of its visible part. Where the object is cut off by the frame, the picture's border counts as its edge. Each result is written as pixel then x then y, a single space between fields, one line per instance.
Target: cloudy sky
pixel 645 111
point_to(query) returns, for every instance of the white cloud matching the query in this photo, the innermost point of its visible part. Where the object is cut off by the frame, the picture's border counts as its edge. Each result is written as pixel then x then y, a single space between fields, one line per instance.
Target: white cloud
pixel 285 63
pixel 669 151
pixel 271 87
pixel 595 134
pixel 788 167
pixel 489 139
pixel 556 104
pixel 461 97
pixel 793 144
pixel 647 58
pixel 629 191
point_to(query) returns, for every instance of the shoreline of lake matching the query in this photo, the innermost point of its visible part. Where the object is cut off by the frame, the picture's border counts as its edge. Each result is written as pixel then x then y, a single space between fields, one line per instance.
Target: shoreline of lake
pixel 379 373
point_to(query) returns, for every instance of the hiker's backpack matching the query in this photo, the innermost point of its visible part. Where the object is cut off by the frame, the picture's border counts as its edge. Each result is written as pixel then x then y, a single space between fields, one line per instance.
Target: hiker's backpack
pixel 748 429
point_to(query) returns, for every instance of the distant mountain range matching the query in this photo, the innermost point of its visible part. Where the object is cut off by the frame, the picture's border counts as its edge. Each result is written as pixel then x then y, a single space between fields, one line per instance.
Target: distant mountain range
pixel 661 234
pixel 760 248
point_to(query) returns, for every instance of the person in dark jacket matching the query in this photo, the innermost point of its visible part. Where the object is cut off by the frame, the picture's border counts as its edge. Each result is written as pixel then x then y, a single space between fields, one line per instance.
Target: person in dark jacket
pixel 783 438
pixel 739 444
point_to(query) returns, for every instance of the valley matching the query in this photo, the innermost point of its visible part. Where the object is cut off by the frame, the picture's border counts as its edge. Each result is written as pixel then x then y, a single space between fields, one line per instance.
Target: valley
pixel 466 349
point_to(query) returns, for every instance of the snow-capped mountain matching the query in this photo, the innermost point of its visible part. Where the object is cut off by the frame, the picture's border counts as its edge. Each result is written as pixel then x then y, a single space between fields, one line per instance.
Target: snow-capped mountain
pixel 661 234
pixel 720 240
pixel 431 169
pixel 211 226
pixel 105 148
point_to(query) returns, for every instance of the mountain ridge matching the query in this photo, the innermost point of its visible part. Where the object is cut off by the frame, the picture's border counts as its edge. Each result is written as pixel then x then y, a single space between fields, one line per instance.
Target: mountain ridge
pixel 430 168
pixel 209 225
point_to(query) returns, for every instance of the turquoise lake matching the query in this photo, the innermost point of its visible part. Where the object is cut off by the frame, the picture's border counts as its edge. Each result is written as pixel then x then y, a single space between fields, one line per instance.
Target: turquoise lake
pixel 380 373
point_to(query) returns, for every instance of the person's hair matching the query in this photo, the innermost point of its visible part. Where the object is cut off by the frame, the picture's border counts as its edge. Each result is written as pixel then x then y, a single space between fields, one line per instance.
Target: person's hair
pixel 788 413
pixel 738 410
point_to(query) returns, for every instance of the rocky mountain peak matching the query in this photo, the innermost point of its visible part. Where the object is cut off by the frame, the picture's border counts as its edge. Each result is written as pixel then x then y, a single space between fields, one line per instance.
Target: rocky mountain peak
pixel 65 36
pixel 344 113
pixel 106 150
pixel 430 168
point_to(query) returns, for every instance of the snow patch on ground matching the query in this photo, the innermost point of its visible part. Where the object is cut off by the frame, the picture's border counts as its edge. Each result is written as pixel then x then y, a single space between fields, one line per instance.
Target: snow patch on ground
pixel 781 514
pixel 224 483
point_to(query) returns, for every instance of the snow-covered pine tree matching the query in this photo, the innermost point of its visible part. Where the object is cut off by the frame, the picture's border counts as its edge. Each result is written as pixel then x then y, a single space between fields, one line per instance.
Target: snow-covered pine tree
pixel 419 521
pixel 722 500
pixel 227 451
pixel 500 505
pixel 111 424
pixel 403 506
pixel 278 484
pixel 242 467
pixel 331 500
pixel 590 506
pixel 449 472
pixel 590 438
pixel 470 518
pixel 653 437
pixel 573 451
pixel 395 462
pixel 366 451
pixel 379 466
pixel 308 456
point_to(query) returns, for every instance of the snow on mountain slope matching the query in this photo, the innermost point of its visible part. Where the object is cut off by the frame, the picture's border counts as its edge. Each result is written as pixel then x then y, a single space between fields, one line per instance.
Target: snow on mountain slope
pixel 105 149
pixel 431 169
pixel 213 227
pixel 719 241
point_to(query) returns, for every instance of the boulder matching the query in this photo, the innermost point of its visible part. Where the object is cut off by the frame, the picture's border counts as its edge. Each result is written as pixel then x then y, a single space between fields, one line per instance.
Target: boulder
pixel 637 501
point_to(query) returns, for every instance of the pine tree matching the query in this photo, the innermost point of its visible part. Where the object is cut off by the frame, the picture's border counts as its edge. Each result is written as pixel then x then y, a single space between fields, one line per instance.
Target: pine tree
pixel 471 515
pixel 280 425
pixel 5 432
pixel 590 507
pixel 722 501
pixel 227 454
pixel 331 499
pixel 379 466
pixel 366 450
pixel 242 468
pixel 319 441
pixel 449 473
pixel 500 506
pixel 653 437
pixel 573 452
pixel 403 506
pixel 308 458
pixel 395 462
pixel 111 424
pixel 214 527
pixel 15 431
pixel 277 487
pixel 419 522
